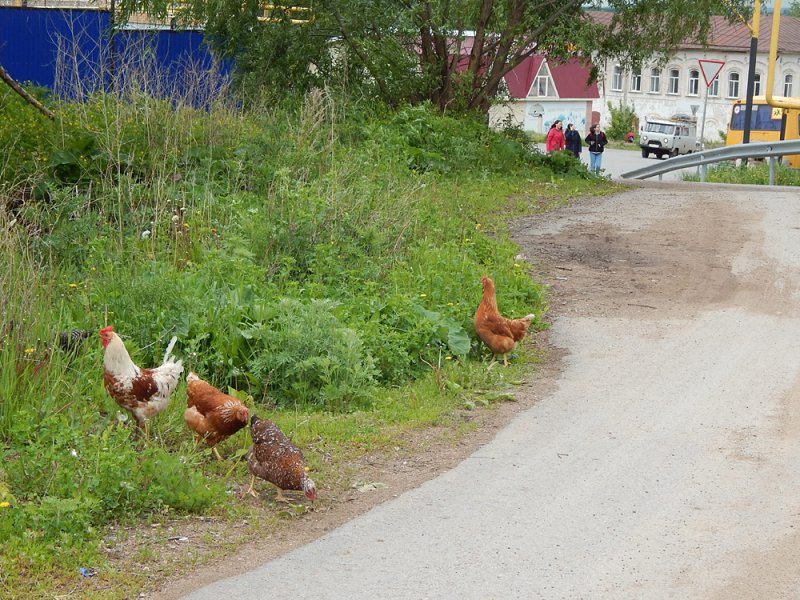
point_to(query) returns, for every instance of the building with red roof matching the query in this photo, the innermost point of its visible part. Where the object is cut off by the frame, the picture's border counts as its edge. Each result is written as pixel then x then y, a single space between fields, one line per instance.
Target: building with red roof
pixel 540 92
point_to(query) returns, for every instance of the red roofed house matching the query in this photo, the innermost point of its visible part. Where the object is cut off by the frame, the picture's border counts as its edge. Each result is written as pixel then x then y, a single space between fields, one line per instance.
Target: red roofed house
pixel 539 92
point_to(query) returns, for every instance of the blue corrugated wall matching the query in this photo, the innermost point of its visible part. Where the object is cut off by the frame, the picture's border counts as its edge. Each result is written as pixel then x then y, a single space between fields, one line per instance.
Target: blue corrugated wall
pixel 29 44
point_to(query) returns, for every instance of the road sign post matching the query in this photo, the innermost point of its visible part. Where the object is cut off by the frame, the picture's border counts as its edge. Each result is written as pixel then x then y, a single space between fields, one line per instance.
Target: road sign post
pixel 710 70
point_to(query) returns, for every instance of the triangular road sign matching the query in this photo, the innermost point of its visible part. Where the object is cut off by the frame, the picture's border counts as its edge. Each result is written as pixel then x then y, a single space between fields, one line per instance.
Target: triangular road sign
pixel 710 70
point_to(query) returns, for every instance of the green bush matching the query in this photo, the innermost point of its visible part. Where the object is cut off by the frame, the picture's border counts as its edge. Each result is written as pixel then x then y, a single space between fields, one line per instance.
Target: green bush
pixel 305 355
pixel 563 163
pixel 623 121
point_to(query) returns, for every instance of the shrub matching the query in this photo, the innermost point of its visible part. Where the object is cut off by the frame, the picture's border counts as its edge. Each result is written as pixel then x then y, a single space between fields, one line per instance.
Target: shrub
pixel 562 163
pixel 305 355
pixel 623 120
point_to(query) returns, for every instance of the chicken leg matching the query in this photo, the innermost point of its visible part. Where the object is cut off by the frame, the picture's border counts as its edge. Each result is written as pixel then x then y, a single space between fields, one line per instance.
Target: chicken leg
pixel 251 491
pixel 279 497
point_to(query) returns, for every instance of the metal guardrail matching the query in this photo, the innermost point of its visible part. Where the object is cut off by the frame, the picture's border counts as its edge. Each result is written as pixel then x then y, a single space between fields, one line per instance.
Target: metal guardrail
pixel 770 150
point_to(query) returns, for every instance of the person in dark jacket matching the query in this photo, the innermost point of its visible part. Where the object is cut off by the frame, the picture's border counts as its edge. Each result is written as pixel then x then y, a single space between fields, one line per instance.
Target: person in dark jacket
pixel 596 140
pixel 573 140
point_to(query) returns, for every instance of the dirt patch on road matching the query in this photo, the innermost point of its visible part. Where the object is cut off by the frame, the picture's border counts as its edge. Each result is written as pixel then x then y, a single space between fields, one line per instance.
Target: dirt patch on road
pixel 682 261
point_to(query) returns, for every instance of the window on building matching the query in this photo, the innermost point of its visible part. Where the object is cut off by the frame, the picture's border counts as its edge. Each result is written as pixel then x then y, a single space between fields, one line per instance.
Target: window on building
pixel 787 85
pixel 757 84
pixel 713 89
pixel 674 79
pixel 733 85
pixel 655 80
pixel 616 79
pixel 694 82
pixel 542 86
pixel 636 80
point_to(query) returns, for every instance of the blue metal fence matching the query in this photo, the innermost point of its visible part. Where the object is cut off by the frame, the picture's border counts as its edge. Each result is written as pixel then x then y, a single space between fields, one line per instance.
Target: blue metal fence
pixel 34 41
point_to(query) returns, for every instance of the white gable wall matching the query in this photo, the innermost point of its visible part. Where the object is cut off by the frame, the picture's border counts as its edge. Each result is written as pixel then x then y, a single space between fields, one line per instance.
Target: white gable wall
pixel 663 104
pixel 536 114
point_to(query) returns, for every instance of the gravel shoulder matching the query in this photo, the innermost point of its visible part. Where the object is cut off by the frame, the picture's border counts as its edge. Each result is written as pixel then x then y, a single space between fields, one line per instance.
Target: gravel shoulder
pixel 654 456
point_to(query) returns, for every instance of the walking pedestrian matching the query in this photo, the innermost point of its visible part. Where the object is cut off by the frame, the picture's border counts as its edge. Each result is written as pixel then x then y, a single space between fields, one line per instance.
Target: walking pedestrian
pixel 573 140
pixel 596 140
pixel 555 137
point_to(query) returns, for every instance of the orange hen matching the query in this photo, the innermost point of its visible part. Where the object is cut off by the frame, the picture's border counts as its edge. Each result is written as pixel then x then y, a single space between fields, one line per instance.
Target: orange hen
pixel 212 414
pixel 275 459
pixel 498 333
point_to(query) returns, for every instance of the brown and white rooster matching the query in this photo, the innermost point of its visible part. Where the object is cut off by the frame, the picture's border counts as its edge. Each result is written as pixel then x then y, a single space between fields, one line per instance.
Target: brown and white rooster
pixel 276 459
pixel 497 332
pixel 143 392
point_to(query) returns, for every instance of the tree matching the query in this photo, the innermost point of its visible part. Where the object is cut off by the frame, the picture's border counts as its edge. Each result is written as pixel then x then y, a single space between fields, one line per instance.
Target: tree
pixel 793 10
pixel 418 50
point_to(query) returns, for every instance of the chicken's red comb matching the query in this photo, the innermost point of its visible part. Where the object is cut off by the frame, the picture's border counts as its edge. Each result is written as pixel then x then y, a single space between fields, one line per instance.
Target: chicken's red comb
pixel 108 329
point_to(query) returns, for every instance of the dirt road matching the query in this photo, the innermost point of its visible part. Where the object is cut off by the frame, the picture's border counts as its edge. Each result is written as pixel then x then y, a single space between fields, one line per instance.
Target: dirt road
pixel 663 459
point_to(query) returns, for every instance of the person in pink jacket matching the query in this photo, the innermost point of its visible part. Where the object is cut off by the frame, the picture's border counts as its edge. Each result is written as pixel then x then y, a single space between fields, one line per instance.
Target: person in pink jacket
pixel 555 137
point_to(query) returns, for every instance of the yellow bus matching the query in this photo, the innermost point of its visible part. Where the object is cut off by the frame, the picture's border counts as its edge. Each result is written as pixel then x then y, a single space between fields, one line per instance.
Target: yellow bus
pixel 766 124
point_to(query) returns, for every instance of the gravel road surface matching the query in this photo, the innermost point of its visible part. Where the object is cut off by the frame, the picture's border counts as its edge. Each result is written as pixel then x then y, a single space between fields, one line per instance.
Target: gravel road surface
pixel 664 463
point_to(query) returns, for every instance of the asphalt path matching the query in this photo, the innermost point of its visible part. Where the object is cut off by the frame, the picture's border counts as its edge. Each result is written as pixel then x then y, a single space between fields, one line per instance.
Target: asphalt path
pixel 615 162
pixel 663 464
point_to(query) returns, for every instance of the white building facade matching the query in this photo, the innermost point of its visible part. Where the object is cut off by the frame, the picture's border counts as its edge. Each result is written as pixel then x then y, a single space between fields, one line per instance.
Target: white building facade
pixel 679 87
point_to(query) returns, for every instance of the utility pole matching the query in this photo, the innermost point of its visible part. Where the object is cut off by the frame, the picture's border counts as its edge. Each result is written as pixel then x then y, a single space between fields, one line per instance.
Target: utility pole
pixel 751 71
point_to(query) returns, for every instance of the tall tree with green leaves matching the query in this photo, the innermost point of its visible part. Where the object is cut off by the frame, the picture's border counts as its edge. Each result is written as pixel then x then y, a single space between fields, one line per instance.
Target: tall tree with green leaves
pixel 453 53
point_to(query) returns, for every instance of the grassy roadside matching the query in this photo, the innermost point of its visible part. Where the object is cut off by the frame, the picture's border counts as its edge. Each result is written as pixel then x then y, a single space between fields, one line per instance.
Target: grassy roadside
pixel 321 259
pixel 755 173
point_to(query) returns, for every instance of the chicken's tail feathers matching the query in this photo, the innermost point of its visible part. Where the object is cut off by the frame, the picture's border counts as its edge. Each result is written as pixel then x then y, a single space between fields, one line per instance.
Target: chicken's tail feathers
pixel 530 317
pixel 170 346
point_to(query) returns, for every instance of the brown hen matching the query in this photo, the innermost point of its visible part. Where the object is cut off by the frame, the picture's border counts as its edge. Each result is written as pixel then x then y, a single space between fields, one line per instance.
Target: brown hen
pixel 212 414
pixel 498 333
pixel 275 459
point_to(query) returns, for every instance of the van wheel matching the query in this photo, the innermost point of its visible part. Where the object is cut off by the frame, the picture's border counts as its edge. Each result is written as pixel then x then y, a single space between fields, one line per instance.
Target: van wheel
pixel 645 153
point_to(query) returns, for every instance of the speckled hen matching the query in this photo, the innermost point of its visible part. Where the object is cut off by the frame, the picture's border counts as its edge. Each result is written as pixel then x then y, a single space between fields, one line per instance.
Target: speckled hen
pixel 275 459
pixel 143 392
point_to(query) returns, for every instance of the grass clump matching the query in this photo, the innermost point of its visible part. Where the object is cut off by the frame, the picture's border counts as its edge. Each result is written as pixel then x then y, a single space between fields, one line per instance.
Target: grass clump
pixel 753 173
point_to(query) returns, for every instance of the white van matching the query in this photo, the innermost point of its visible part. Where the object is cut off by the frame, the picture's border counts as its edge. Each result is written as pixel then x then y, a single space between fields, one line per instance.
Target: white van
pixel 669 137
